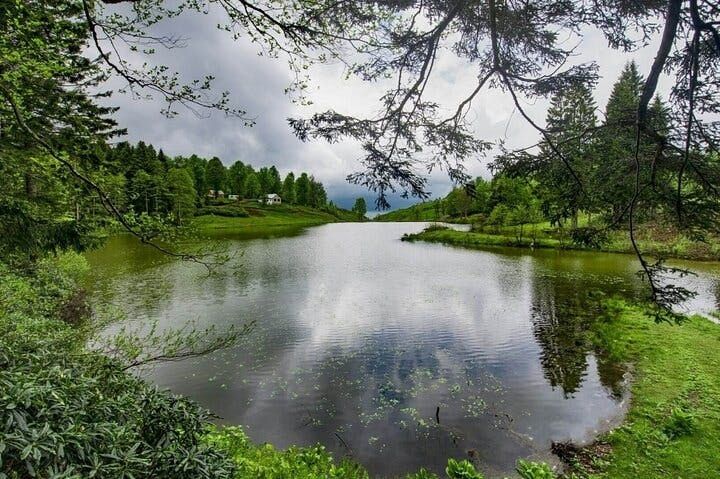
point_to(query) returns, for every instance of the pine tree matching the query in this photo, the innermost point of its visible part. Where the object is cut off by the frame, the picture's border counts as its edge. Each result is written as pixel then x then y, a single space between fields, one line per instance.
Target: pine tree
pixel 302 190
pixel 614 177
pixel 570 121
pixel 360 207
pixel 288 189
pixel 274 182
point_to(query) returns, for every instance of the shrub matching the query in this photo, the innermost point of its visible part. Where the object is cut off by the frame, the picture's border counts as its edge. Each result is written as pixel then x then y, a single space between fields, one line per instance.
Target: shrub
pixel 226 211
pixel 68 412
pixel 534 470
pixel 436 227
pixel 680 423
pixel 589 237
pixel 461 470
pixel 266 462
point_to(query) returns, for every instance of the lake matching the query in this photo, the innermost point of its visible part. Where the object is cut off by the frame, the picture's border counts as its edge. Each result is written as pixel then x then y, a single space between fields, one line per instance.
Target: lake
pixel 397 354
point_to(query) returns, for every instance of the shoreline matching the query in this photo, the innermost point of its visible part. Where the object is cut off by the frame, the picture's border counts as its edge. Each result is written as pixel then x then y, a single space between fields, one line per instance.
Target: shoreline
pixel 476 240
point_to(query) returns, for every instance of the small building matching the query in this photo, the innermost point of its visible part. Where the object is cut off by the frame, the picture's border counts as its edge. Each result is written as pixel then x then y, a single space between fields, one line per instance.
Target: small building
pixel 233 197
pixel 220 194
pixel 211 194
pixel 271 199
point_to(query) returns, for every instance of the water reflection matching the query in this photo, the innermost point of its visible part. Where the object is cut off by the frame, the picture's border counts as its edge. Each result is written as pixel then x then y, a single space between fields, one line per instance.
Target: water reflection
pixel 363 342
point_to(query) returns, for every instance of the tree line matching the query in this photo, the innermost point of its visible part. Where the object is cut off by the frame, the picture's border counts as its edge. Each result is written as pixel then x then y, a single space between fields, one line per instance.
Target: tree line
pixel 597 177
pixel 148 181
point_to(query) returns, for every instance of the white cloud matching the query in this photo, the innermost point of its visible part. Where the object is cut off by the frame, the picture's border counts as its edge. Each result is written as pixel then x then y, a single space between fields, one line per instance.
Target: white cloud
pixel 257 85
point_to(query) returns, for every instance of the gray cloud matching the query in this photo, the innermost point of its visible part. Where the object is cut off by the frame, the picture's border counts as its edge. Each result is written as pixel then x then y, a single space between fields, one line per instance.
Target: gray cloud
pixel 257 85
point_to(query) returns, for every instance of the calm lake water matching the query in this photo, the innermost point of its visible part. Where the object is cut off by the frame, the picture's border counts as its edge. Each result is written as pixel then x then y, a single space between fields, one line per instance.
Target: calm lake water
pixel 360 338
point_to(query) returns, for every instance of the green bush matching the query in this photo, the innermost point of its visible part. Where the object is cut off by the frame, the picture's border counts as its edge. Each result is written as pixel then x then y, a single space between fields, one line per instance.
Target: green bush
pixel 71 413
pixel 680 423
pixel 266 462
pixel 461 470
pixel 436 227
pixel 534 470
pixel 589 237
pixel 226 211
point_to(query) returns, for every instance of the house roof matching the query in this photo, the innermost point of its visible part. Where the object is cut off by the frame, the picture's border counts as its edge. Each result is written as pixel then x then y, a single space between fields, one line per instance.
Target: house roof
pixel 272 195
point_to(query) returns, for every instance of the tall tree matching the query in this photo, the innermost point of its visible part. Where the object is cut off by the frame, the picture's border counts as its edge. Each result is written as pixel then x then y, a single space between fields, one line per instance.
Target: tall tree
pixel 317 194
pixel 215 174
pixel 302 190
pixel 236 178
pixel 360 207
pixel 614 172
pixel 181 192
pixel 288 188
pixel 252 185
pixel 570 123
pixel 275 184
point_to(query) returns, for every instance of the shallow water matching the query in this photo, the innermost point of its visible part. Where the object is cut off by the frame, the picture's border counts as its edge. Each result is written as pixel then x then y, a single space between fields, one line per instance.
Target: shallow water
pixel 360 338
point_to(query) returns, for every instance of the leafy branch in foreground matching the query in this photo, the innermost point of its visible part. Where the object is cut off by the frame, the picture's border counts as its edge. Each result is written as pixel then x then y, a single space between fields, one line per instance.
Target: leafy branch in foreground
pixel 137 346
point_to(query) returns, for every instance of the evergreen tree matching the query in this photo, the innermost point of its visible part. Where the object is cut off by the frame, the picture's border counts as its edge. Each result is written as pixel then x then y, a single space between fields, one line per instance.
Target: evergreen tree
pixel 614 175
pixel 275 184
pixel 196 166
pixel 302 190
pixel 181 193
pixel 252 185
pixel 215 174
pixel 288 189
pixel 236 178
pixel 317 195
pixel 263 176
pixel 360 207
pixel 570 122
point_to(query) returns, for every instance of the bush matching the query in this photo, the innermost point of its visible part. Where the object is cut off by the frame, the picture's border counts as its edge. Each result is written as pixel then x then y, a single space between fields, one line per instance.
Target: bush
pixel 436 227
pixel 680 423
pixel 589 237
pixel 227 211
pixel 461 470
pixel 266 462
pixel 68 412
pixel 534 470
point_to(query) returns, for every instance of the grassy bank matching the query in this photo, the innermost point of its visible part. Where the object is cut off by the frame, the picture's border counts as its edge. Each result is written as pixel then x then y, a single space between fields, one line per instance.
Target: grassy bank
pixel 418 212
pixel 672 428
pixel 256 217
pixel 617 242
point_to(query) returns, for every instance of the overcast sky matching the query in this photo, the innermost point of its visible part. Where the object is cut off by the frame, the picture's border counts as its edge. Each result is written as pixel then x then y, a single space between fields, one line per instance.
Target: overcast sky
pixel 257 85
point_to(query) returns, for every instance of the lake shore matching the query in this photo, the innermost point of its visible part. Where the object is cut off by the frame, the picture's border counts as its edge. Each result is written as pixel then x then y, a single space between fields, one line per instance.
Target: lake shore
pixel 678 249
pixel 672 428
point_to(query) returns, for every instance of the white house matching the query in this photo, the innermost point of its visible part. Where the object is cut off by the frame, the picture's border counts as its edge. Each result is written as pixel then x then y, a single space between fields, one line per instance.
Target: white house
pixel 233 197
pixel 271 199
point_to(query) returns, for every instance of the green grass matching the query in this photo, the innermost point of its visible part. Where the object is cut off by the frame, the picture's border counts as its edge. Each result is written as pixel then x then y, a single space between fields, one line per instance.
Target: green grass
pixel 264 461
pixel 672 428
pixel 267 218
pixel 418 212
pixel 618 242
pixel 480 240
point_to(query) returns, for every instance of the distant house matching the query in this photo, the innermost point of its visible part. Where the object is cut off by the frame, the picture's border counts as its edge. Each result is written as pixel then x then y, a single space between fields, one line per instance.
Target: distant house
pixel 211 194
pixel 271 199
pixel 220 194
pixel 233 197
